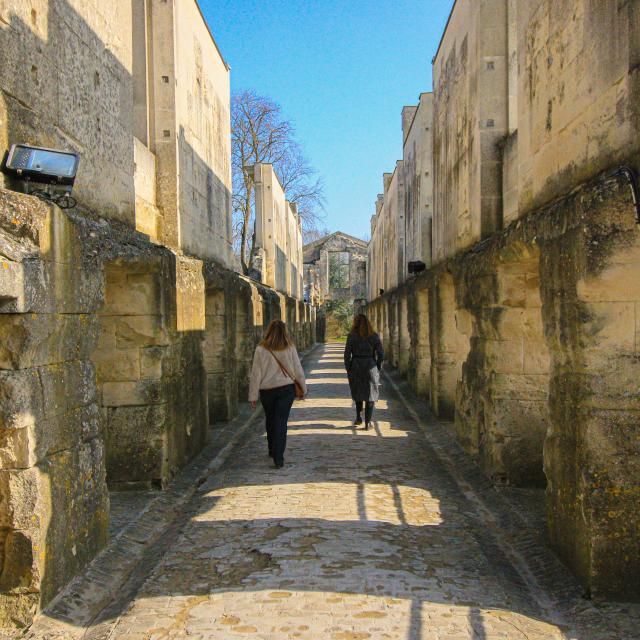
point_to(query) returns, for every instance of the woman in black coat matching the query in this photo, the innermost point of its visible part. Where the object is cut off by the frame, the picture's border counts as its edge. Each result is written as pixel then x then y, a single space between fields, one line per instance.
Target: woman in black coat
pixel 363 356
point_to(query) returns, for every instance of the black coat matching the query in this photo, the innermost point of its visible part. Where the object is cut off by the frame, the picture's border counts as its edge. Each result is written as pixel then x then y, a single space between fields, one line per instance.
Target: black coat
pixel 363 360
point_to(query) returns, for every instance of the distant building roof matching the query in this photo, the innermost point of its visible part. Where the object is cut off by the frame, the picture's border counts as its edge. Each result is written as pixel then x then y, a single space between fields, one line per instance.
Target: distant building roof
pixel 359 241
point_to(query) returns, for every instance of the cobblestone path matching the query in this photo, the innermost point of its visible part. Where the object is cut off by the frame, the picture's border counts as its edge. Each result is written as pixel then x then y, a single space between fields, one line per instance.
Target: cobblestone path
pixel 363 534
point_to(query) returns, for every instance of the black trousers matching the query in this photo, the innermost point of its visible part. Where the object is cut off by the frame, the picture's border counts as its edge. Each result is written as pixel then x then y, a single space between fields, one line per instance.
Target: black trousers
pixel 277 406
pixel 368 410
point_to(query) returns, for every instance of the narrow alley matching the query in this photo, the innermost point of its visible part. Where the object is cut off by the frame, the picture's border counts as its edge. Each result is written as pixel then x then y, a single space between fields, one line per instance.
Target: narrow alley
pixel 363 534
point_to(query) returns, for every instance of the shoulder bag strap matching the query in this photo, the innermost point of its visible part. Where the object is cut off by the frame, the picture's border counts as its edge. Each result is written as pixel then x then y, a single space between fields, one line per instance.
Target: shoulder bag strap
pixel 282 367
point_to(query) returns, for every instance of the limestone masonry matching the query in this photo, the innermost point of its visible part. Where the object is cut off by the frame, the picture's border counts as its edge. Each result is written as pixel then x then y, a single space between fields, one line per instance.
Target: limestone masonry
pixel 124 331
pixel 523 330
pixel 127 334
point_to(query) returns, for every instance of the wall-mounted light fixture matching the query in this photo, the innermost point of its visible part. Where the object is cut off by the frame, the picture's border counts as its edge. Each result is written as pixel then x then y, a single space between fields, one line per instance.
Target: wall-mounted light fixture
pixel 416 266
pixel 54 169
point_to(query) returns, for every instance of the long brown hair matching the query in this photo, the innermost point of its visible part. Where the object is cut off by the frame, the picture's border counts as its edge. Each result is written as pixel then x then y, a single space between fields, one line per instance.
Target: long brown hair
pixel 276 338
pixel 362 326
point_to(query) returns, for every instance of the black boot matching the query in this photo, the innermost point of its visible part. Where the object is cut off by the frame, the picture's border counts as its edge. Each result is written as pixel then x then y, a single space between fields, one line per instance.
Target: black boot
pixel 358 421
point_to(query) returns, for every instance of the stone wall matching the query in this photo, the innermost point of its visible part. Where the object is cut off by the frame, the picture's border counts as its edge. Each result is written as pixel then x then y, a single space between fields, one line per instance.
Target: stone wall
pixel 53 499
pixel 66 82
pixel 70 80
pixel 470 81
pixel 529 345
pixel 116 355
pixel 150 374
pixel 578 110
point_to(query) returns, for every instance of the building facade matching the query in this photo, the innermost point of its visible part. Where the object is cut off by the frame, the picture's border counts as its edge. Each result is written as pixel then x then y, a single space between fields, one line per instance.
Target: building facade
pixel 401 227
pixel 522 331
pixel 277 255
pixel 417 166
pixel 335 268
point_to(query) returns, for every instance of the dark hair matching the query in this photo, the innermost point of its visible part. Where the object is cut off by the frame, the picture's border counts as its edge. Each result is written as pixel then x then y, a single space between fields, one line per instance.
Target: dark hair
pixel 362 326
pixel 276 338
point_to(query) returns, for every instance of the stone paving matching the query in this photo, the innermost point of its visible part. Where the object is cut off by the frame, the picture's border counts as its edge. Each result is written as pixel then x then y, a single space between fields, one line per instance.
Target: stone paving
pixel 363 534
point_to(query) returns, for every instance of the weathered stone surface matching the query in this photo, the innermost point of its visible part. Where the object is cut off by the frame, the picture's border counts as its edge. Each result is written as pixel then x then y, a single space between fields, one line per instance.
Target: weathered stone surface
pixel 32 340
pixel 550 363
pixel 134 443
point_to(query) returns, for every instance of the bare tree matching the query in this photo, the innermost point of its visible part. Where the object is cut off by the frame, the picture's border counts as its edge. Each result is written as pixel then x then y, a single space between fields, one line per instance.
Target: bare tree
pixel 260 133
pixel 315 233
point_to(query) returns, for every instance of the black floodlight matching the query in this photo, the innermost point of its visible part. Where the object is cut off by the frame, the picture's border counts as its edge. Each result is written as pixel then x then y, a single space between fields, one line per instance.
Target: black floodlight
pixel 40 166
pixel 417 266
pixel 44 166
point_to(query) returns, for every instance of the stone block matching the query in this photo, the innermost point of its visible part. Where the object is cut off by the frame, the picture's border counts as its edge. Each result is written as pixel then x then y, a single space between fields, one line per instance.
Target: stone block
pixel 21 398
pixel 57 287
pixel 16 609
pixel 533 329
pixel 517 386
pixel 464 322
pixel 141 392
pixel 23 498
pixel 130 294
pixel 19 564
pixel 510 323
pixel 134 439
pixel 215 303
pixel 151 359
pixel 611 383
pixel 31 340
pixel 107 333
pixel 117 365
pixel 77 512
pixel 147 218
pixel 140 331
pixel 512 289
pixel 26 447
pixel 59 239
pixel 611 327
pixel 505 356
pixel 536 358
pixel 532 293
pixel 190 295
pixel 15 448
pixel 11 284
pixel 67 386
pixel 616 283
pixel 515 436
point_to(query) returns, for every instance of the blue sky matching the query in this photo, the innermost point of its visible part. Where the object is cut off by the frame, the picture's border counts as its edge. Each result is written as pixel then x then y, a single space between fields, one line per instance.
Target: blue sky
pixel 342 70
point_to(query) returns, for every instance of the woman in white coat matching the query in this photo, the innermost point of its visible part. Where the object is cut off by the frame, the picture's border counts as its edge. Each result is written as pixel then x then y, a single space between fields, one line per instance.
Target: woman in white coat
pixel 275 374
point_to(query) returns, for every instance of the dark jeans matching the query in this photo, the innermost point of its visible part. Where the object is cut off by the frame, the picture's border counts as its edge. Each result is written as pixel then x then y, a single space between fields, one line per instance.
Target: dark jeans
pixel 277 406
pixel 368 411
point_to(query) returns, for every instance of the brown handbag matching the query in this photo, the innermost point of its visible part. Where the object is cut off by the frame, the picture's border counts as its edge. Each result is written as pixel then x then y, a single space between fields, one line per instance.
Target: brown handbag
pixel 299 391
